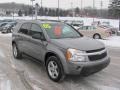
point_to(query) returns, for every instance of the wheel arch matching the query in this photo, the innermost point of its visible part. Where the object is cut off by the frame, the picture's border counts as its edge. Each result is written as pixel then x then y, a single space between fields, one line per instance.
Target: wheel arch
pixel 48 54
pixel 52 53
pixel 97 34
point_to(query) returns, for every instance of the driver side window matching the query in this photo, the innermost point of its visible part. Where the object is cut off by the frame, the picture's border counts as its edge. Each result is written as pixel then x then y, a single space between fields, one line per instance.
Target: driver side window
pixel 35 29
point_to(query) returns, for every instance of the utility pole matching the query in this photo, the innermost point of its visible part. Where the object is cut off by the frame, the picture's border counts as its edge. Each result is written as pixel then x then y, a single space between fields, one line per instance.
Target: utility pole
pixel 13 10
pixel 119 19
pixel 118 7
pixel 36 10
pixel 81 7
pixel 119 13
pixel 101 7
pixel 41 8
pixel 13 15
pixel 93 8
pixel 58 9
pixel 41 3
pixel 119 23
pixel 32 8
pixel 72 9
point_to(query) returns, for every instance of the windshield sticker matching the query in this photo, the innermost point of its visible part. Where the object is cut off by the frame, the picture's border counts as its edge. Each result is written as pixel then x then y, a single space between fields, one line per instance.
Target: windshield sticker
pixel 46 26
pixel 57 31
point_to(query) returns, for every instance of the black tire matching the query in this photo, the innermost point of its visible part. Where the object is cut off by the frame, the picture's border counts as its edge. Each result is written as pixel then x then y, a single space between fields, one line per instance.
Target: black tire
pixel 16 53
pixel 97 36
pixel 60 70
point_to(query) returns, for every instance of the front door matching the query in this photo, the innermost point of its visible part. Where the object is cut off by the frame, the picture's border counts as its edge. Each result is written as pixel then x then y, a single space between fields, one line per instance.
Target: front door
pixel 37 47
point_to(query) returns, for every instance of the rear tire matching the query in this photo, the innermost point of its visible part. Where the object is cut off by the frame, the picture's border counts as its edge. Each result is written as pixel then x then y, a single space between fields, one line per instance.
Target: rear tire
pixel 97 36
pixel 16 53
pixel 54 69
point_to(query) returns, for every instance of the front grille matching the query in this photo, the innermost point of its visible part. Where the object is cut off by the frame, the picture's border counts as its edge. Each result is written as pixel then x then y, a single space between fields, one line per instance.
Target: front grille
pixel 97 57
pixel 97 50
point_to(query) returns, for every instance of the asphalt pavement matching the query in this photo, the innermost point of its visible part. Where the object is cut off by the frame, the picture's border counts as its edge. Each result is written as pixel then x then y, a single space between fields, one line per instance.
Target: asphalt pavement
pixel 27 74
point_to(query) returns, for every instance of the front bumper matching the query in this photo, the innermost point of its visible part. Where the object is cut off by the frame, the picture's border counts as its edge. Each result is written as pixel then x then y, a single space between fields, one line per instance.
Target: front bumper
pixel 87 68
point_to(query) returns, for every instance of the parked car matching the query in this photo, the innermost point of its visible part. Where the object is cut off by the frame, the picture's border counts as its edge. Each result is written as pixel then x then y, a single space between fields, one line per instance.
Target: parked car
pixel 61 48
pixel 0 21
pixel 2 25
pixel 68 22
pixel 95 32
pixel 75 24
pixel 78 23
pixel 96 23
pixel 7 20
pixel 105 23
pixel 8 27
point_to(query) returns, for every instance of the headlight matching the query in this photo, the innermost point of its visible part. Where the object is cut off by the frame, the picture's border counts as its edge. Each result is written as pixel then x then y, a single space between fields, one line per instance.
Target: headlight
pixel 75 55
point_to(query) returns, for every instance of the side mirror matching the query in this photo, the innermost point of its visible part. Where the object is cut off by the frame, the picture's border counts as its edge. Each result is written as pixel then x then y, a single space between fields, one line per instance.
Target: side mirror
pixel 38 36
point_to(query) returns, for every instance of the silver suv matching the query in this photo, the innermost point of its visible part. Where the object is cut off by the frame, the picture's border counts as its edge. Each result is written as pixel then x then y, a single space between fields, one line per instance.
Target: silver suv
pixel 62 49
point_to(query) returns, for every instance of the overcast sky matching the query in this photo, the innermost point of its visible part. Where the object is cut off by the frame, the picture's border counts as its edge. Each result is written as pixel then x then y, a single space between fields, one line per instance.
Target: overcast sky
pixel 63 3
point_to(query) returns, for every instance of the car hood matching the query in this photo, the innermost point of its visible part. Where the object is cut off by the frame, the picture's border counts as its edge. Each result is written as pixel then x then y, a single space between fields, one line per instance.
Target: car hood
pixel 83 43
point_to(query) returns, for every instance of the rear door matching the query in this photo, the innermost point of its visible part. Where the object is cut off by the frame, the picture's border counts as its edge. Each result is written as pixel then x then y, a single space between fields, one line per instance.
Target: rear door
pixel 24 37
pixel 91 31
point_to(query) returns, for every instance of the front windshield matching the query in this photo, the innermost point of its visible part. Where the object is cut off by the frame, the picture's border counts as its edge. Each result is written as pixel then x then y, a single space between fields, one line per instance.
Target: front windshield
pixel 59 31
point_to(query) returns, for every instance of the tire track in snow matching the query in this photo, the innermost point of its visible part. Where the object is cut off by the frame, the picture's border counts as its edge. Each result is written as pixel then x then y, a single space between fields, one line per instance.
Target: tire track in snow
pixel 5 85
pixel 2 55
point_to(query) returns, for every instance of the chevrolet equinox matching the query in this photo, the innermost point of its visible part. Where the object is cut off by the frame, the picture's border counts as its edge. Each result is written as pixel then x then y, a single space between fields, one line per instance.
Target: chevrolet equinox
pixel 61 48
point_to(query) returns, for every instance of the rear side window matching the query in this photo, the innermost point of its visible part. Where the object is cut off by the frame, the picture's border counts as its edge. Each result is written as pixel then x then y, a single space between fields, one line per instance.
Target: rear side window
pixel 84 28
pixel 25 28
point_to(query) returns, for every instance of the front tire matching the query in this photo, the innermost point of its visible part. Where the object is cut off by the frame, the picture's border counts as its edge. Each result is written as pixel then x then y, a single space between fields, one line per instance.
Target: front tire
pixel 16 53
pixel 54 69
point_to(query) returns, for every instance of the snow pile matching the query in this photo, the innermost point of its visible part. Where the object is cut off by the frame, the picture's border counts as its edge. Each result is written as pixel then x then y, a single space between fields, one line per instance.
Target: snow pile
pixel 6 35
pixel 113 41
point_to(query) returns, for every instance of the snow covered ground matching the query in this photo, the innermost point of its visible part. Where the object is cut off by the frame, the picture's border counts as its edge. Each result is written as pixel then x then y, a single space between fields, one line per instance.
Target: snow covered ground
pixel 87 21
pixel 113 41
pixel 5 35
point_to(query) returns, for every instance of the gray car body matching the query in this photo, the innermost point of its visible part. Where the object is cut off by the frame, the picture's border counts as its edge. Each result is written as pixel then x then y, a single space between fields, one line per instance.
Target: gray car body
pixel 40 49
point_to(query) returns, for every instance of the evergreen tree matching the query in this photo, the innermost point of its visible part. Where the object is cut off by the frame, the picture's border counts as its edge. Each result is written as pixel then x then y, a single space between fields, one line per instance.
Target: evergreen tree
pixel 114 9
pixel 77 10
pixel 40 12
pixel 30 11
pixel 26 13
pixel 8 12
pixel 19 13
